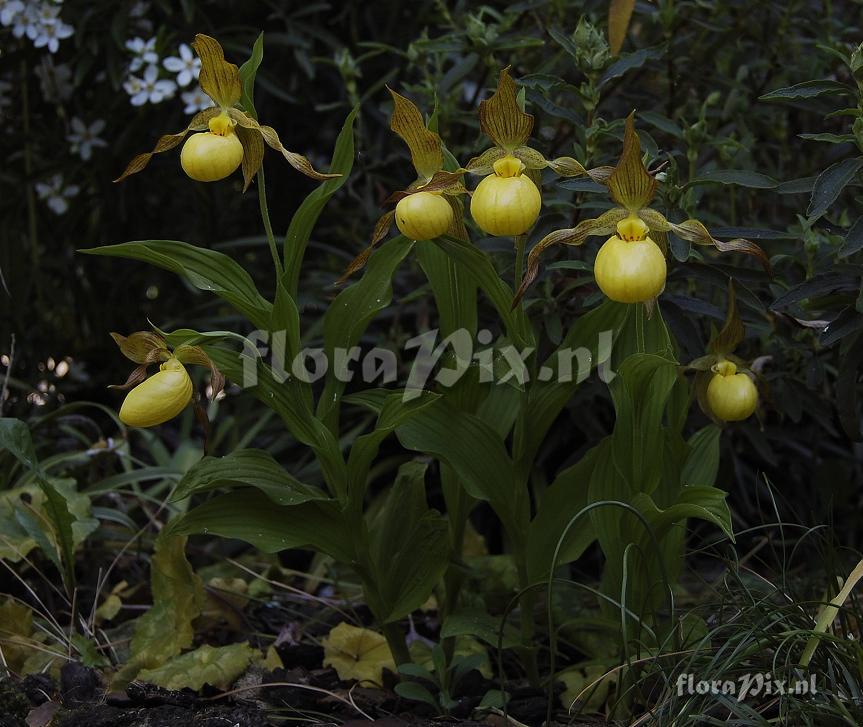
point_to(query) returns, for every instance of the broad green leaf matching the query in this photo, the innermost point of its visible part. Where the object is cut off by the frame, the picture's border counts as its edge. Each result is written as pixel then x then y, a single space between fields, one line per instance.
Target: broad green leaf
pixel 453 288
pixel 416 692
pixel 219 667
pixel 205 269
pixel 306 216
pixel 584 341
pixel 818 286
pixel 702 462
pixel 738 177
pixel 15 438
pixel 289 399
pixel 247 468
pixel 477 454
pixel 253 517
pixel 392 411
pixel 853 239
pixel 350 313
pixel 478 623
pixel 640 392
pixel 248 72
pixel 628 62
pixel 807 89
pixel 409 547
pixel 560 503
pixel 479 265
pixel 704 503
pixel 830 183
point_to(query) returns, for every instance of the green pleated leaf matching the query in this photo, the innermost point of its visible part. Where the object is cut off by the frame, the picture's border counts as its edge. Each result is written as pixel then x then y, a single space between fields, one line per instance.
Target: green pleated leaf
pixel 830 183
pixel 561 502
pixel 350 313
pixel 480 267
pixel 477 455
pixel 253 517
pixel 205 269
pixel 409 546
pixel 247 468
pixel 306 216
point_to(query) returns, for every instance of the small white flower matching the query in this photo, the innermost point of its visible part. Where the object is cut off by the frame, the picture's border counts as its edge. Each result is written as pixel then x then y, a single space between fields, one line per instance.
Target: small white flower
pixel 196 100
pixel 143 53
pixel 149 88
pixel 24 22
pixel 187 66
pixel 50 35
pixel 85 138
pixel 10 10
pixel 56 193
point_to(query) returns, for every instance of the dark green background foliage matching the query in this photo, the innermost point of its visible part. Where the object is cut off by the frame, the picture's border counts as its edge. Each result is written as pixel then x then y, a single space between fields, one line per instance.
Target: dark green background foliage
pixel 699 74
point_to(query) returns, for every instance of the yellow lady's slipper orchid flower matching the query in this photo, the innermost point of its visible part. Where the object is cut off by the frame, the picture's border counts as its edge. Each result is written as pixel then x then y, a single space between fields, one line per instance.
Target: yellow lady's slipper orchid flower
pixel 632 187
pixel 212 155
pixel 419 212
pixel 731 396
pixel 164 395
pixel 506 202
pixel 158 398
pixel 630 267
pixel 235 137
pixel 423 216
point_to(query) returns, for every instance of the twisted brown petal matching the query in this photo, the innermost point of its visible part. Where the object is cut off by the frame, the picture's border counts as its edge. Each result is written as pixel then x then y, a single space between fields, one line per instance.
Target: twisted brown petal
pixel 169 141
pixel 379 233
pixel 603 225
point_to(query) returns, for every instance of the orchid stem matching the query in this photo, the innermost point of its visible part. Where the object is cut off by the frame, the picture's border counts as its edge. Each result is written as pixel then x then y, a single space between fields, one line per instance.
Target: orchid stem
pixel 268 226
pixel 520 241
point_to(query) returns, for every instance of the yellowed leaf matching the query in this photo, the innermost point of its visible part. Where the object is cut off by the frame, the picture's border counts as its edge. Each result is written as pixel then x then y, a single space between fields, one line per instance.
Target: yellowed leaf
pixel 619 14
pixel 168 141
pixel 629 184
pixel 356 653
pixel 219 79
pixel 502 119
pixel 425 145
